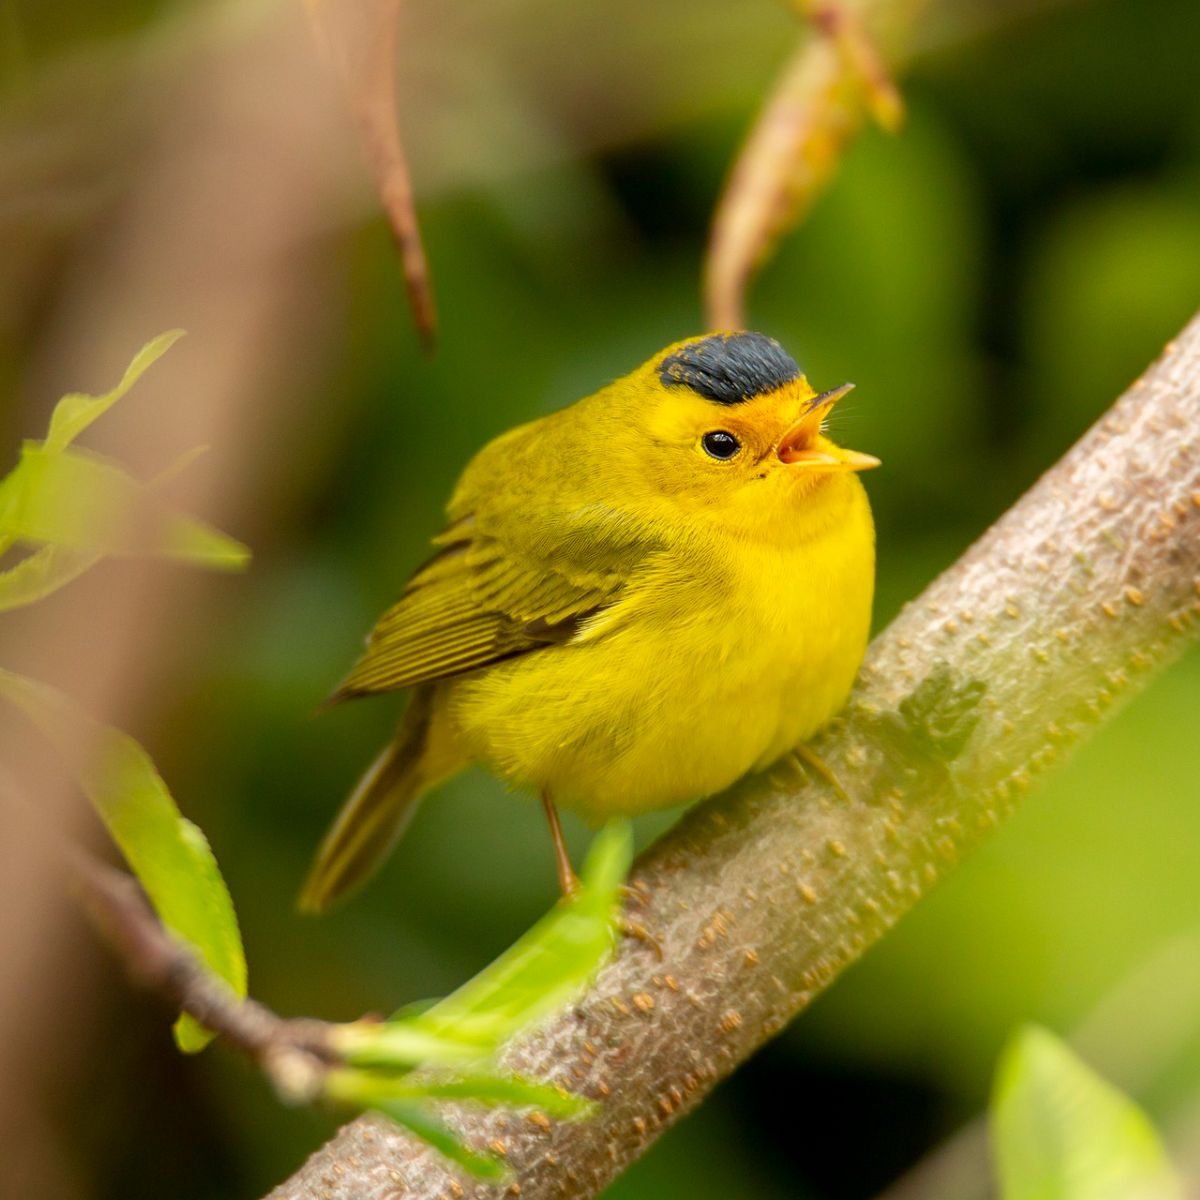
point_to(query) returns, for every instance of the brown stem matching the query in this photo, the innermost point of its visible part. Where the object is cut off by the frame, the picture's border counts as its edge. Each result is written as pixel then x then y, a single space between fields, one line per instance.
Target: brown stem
pixel 293 1053
pixel 360 40
pixel 1070 604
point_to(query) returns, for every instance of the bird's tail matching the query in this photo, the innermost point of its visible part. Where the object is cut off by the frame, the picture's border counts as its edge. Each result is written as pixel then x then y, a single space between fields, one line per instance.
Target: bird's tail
pixel 380 807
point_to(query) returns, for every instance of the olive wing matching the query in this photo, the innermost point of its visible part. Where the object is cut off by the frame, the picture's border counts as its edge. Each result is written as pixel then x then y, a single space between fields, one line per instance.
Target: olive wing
pixel 490 595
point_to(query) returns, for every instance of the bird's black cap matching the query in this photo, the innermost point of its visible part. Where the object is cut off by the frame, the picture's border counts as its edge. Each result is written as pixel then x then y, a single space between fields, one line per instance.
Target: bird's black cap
pixel 729 367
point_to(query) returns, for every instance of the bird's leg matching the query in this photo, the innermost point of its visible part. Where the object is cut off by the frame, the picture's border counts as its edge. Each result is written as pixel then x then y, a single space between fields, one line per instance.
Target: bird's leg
pixel 812 761
pixel 636 930
pixel 568 881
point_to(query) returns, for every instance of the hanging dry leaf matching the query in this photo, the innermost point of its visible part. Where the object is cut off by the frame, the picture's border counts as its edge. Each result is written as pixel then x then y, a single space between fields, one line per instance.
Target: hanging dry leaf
pixel 836 78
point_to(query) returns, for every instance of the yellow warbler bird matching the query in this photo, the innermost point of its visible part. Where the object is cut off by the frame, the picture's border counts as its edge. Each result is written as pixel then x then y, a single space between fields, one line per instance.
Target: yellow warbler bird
pixel 636 601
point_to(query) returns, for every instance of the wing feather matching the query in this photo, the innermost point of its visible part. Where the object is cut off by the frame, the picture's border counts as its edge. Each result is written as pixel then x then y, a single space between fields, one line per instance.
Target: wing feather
pixel 484 598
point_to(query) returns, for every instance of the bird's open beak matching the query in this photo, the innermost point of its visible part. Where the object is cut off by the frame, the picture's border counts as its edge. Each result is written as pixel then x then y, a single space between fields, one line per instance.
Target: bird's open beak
pixel 796 447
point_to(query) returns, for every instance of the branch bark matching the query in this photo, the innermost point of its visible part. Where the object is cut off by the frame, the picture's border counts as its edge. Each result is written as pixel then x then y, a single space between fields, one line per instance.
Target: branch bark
pixel 1070 604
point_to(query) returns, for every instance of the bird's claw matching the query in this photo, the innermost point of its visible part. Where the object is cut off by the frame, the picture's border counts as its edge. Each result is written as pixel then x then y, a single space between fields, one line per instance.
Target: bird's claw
pixel 638 931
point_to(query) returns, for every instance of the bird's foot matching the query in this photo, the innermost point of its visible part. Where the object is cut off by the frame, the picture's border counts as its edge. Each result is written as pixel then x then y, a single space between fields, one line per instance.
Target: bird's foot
pixel 632 928
pixel 812 762
pixel 638 931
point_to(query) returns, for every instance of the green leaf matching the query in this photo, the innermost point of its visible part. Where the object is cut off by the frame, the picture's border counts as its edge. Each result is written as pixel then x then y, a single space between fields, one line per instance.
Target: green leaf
pixel 81 507
pixel 76 411
pixel 510 1090
pixel 365 1089
pixel 406 1101
pixel 541 972
pixel 405 1043
pixel 554 961
pixel 51 567
pixel 429 1129
pixel 168 854
pixel 83 502
pixel 43 572
pixel 1060 1132
pixel 538 974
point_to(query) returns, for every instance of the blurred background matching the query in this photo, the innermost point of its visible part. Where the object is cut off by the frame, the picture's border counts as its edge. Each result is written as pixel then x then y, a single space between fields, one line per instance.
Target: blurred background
pixel 990 279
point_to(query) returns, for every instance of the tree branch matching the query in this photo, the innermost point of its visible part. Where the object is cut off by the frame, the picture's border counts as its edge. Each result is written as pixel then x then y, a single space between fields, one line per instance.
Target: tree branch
pixel 1068 605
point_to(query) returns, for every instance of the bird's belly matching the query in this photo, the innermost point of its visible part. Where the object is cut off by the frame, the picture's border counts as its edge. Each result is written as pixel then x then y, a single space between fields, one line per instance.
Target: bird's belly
pixel 674 705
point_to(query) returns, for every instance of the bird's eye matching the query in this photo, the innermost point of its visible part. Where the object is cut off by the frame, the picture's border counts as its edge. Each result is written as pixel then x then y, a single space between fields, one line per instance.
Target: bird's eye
pixel 720 444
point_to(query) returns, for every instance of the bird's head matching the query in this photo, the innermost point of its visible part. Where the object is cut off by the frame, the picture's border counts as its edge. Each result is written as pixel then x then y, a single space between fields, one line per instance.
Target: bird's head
pixel 732 422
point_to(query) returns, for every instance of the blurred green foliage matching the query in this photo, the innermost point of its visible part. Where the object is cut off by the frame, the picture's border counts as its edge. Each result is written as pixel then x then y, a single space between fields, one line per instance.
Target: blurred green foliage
pixel 1060 1132
pixel 990 280
pixel 69 509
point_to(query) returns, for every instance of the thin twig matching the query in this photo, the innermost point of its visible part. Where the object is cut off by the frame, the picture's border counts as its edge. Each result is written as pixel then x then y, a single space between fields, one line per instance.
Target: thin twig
pixel 1071 603
pixel 293 1053
pixel 360 44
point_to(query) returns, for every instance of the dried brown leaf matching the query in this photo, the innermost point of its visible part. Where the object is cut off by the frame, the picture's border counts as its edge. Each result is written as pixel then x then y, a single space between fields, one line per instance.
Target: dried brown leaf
pixel 834 80
pixel 789 155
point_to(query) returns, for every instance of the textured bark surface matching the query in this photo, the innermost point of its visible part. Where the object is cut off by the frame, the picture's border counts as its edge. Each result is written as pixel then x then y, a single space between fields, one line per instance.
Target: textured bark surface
pixel 1070 603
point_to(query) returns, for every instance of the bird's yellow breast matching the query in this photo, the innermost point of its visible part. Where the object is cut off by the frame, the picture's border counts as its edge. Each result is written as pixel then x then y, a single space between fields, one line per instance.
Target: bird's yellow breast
pixel 726 652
